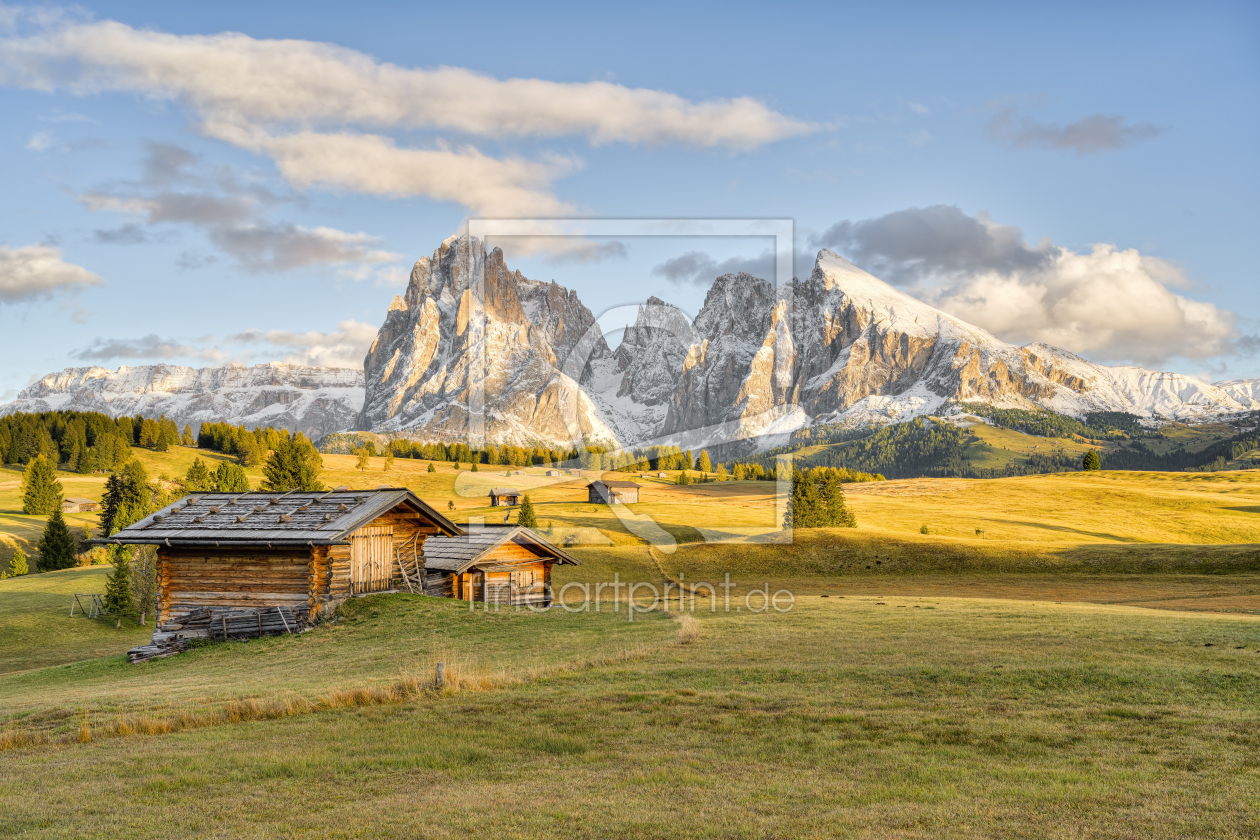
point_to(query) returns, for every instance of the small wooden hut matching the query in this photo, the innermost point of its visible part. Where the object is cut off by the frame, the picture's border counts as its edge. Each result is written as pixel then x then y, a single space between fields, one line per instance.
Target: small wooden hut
pixel 504 496
pixel 612 492
pixel 299 550
pixel 504 566
pixel 79 506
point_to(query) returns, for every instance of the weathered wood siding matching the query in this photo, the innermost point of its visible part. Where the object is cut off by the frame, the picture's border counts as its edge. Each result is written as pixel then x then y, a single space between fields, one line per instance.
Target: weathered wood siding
pixel 189 578
pixel 333 571
pixel 372 559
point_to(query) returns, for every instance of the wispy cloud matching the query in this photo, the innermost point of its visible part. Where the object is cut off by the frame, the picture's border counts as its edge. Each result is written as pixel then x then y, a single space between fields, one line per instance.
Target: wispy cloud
pixel 150 347
pixel 323 110
pixel 1091 135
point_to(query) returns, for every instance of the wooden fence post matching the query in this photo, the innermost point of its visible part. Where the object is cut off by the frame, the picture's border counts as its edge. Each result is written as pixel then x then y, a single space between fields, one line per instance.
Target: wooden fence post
pixel 439 678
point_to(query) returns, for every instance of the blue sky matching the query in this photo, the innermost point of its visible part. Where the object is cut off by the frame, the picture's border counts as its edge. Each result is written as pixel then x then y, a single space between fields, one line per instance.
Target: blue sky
pixel 1069 173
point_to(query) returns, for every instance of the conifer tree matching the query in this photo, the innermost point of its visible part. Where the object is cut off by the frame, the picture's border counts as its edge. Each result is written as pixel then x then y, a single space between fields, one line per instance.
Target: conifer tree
pixel 248 451
pixel 704 464
pixel 230 478
pixel 389 460
pixel 110 503
pixel 364 459
pixel 187 439
pixel 1091 461
pixel 119 601
pixel 740 472
pixel 292 467
pixel 18 565
pixel 431 467
pixel 474 466
pixel 527 518
pixel 197 477
pixel 720 472
pixel 56 546
pixel 41 491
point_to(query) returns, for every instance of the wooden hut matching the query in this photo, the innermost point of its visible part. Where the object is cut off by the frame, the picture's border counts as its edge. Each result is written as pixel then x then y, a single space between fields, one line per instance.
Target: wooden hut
pixel 300 550
pixel 493 566
pixel 79 506
pixel 612 492
pixel 504 496
pixel 554 473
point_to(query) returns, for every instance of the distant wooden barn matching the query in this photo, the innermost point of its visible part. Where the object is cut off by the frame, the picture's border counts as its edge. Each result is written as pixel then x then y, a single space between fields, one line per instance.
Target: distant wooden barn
pixel 504 496
pixel 79 506
pixel 493 566
pixel 554 473
pixel 303 551
pixel 612 492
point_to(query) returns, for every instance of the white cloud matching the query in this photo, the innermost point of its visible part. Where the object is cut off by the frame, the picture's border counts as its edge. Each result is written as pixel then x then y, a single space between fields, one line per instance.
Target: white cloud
pixel 344 348
pixel 38 271
pixel 1112 304
pixel 1109 303
pixel 299 101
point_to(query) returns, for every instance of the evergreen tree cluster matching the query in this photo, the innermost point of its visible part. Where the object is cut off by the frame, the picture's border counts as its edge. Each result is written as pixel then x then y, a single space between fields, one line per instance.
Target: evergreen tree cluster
pixel 294 464
pixel 128 498
pixel 249 446
pixel 1100 425
pixel 82 442
pixel 1139 456
pixel 817 501
pixel 226 478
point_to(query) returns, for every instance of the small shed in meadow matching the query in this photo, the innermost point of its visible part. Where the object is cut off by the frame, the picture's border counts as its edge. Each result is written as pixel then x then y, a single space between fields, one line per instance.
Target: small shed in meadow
pixel 79 506
pixel 504 566
pixel 306 551
pixel 508 496
pixel 612 492
pixel 554 473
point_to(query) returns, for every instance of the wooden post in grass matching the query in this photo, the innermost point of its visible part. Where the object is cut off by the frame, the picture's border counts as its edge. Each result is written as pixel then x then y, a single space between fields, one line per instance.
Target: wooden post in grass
pixel 440 677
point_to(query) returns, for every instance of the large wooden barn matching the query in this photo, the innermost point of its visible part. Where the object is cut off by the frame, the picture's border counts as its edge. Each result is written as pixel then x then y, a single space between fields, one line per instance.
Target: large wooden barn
pixel 493 566
pixel 299 550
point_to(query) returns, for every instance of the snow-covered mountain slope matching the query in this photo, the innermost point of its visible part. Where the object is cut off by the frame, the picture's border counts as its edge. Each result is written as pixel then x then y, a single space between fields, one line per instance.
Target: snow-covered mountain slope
pixel 311 400
pixel 838 346
pixel 870 352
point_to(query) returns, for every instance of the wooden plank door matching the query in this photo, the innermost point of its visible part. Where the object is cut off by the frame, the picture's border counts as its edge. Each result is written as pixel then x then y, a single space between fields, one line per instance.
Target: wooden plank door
pixel 372 559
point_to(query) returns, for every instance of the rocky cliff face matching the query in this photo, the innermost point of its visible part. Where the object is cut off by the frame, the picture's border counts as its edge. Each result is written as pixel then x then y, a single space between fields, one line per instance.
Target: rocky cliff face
pixel 838 346
pixel 474 349
pixel 314 401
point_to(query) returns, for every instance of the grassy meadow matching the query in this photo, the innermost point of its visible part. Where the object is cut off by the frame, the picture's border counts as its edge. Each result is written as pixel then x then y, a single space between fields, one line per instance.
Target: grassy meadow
pixel 1088 664
pixel 914 716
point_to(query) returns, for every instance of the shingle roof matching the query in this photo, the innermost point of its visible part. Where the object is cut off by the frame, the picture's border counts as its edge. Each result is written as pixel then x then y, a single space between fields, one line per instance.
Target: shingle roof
pixel 458 554
pixel 504 491
pixel 293 518
pixel 616 483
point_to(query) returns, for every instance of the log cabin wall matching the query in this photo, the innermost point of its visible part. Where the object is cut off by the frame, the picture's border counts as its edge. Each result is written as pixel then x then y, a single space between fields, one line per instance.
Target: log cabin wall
pixel 335 570
pixel 249 578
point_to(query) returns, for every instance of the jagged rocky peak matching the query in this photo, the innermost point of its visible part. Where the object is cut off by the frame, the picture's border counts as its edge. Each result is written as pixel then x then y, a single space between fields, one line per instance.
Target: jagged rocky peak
pixel 652 351
pixel 471 333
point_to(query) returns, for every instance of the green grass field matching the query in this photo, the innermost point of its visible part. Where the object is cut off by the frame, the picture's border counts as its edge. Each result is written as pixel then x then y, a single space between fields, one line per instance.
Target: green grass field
pixel 918 716
pixel 1089 665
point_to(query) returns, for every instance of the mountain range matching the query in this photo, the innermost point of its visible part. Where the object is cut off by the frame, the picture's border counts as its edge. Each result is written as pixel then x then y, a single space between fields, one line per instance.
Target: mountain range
pixel 476 351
